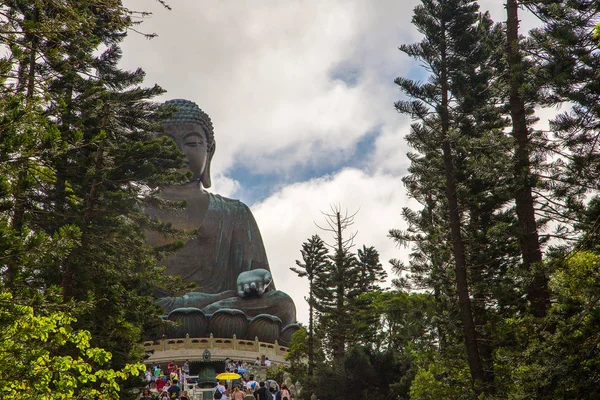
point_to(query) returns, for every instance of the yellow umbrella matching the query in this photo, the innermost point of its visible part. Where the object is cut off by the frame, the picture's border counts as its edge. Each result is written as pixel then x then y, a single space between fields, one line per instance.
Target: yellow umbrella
pixel 228 376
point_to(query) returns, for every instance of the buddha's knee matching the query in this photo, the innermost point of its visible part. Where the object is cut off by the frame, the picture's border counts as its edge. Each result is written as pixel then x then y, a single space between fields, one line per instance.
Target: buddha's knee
pixel 274 303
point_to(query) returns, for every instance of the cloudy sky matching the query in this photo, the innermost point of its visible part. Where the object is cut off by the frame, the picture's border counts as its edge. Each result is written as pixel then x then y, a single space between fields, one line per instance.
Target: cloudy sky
pixel 301 96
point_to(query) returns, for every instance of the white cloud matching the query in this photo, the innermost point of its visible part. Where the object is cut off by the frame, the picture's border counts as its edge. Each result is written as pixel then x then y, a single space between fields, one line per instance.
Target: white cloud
pixel 287 218
pixel 224 186
pixel 262 71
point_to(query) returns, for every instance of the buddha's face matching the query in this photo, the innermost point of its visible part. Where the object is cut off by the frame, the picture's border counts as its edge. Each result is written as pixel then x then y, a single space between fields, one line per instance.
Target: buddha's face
pixel 191 140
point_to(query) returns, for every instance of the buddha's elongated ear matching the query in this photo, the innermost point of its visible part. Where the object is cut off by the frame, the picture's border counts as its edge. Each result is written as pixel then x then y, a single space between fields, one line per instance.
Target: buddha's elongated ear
pixel 205 177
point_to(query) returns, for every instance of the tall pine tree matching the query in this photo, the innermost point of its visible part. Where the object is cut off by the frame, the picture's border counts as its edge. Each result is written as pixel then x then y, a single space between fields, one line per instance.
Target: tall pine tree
pixel 333 284
pixel 458 135
pixel 314 261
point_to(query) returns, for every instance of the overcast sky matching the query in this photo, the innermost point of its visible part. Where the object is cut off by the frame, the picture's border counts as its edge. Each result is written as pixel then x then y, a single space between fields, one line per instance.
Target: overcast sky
pixel 301 96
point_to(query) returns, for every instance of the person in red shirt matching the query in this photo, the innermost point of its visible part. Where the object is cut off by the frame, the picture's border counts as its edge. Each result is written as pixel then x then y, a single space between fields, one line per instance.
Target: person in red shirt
pixel 160 383
pixel 171 367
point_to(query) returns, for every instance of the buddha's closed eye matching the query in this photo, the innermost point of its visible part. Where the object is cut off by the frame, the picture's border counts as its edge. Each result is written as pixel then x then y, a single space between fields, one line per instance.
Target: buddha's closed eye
pixel 193 143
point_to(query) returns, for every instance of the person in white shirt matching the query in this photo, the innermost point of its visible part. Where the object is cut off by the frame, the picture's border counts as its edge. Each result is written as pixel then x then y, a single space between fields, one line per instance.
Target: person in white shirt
pixel 267 362
pixel 221 388
pixel 182 377
pixel 148 375
pixel 252 384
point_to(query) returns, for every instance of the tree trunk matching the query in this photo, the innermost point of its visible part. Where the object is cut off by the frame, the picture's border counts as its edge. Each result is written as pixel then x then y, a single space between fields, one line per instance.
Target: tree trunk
pixel 340 337
pixel 528 236
pixel 62 162
pixel 480 311
pixel 462 286
pixel 68 280
pixel 311 346
pixel 20 196
pixel 436 273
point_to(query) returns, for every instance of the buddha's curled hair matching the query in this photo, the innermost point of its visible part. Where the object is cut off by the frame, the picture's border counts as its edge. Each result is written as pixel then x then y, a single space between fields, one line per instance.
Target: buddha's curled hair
pixel 189 112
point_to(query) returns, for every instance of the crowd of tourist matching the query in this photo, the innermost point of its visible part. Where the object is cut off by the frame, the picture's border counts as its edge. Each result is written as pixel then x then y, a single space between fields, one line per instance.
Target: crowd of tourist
pixel 243 366
pixel 166 385
pixel 250 389
pixel 170 384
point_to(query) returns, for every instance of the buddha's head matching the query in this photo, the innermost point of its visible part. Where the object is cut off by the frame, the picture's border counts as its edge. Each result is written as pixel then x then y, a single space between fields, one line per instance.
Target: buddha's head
pixel 191 129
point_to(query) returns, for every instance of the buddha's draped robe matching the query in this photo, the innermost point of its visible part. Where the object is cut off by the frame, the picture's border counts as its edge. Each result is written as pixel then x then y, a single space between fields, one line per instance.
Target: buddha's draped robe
pixel 229 242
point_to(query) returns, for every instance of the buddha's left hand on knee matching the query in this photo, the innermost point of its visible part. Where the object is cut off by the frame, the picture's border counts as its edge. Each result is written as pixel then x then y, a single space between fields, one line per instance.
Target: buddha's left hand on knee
pixel 254 282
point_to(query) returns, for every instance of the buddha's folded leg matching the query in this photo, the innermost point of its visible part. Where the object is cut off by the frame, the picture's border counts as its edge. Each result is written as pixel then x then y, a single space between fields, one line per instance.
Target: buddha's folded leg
pixel 193 299
pixel 274 302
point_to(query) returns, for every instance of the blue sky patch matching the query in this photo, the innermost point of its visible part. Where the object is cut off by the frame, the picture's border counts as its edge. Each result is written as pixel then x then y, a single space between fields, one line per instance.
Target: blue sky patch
pixel 346 73
pixel 255 187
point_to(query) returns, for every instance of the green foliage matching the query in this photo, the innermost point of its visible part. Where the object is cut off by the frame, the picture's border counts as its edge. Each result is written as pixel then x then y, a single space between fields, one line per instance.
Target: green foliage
pixel 362 373
pixel 298 357
pixel 297 347
pixel 385 364
pixel 314 258
pixel 370 271
pixel 343 295
pixel 42 357
pixel 440 380
pixel 559 357
pixel 567 66
pixel 315 262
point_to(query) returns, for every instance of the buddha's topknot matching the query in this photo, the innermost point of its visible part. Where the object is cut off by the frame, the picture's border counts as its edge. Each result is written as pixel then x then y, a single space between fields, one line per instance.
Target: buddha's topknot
pixel 189 112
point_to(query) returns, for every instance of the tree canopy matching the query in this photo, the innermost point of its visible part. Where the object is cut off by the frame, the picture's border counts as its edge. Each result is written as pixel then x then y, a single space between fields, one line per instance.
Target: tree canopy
pixel 497 299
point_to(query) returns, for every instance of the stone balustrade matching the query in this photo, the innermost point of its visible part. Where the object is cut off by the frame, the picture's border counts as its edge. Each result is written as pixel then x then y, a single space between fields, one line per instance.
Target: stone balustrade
pixel 165 349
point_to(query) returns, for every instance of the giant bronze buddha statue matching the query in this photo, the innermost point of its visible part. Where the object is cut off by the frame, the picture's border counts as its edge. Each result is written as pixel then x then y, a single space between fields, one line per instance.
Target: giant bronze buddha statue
pixel 227 258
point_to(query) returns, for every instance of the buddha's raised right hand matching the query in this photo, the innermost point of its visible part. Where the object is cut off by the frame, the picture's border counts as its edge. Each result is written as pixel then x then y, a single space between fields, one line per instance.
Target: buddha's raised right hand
pixel 254 282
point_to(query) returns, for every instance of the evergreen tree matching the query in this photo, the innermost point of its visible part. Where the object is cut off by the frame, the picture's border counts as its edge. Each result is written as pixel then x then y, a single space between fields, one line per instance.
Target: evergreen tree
pixel 386 366
pixel 370 270
pixel 333 284
pixel 567 66
pixel 364 322
pixel 503 251
pixel 79 158
pixel 339 282
pixel 456 50
pixel 315 260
